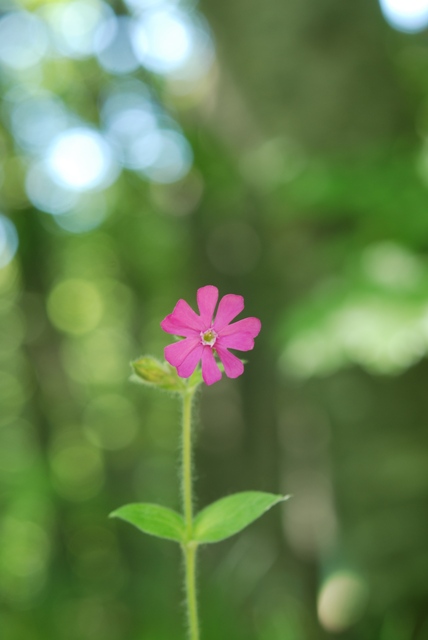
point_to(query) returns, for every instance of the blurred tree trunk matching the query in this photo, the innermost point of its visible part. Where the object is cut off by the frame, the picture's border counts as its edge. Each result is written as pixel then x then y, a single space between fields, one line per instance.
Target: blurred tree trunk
pixel 315 71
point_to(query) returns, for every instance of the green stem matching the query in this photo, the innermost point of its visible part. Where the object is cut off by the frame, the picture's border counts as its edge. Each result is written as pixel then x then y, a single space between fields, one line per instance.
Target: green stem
pixel 192 605
pixel 190 548
pixel 187 462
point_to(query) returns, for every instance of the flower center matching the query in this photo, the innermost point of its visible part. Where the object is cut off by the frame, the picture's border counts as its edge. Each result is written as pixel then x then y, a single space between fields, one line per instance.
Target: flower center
pixel 209 337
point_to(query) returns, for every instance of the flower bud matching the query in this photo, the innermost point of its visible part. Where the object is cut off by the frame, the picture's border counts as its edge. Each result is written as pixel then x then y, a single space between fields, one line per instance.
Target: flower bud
pixel 148 370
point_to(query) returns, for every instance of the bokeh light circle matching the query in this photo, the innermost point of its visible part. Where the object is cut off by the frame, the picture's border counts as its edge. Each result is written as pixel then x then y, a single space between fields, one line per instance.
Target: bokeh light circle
pixel 89 213
pixel 77 467
pixel 113 46
pixel 75 306
pixel 410 16
pixel 37 119
pixel 74 25
pixel 162 39
pixel 8 241
pixel 45 193
pixel 81 159
pixel 162 156
pixel 102 417
pixel 125 125
pixel 138 6
pixel 341 601
pixel 23 40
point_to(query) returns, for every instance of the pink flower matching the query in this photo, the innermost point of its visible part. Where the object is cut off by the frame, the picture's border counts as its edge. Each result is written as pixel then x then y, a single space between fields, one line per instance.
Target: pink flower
pixel 204 337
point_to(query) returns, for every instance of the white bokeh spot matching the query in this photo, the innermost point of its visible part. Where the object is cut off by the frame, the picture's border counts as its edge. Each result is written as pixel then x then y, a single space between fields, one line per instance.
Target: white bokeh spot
pixel 409 16
pixel 163 40
pixel 81 159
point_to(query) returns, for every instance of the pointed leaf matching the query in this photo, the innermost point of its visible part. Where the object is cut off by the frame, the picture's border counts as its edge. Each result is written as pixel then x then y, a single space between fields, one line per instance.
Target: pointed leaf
pixel 153 519
pixel 230 515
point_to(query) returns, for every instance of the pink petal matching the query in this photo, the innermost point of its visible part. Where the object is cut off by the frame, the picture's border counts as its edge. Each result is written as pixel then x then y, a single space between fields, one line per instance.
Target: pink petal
pixel 229 307
pixel 175 353
pixel 241 341
pixel 233 367
pixel 247 325
pixel 187 367
pixel 183 321
pixel 207 299
pixel 210 371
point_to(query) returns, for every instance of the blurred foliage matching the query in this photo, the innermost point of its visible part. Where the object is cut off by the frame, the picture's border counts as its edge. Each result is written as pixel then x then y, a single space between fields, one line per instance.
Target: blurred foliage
pixel 278 151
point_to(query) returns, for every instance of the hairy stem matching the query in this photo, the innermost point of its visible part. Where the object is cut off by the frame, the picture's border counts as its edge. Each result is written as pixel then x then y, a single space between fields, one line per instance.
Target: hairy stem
pixel 192 605
pixel 190 547
pixel 187 483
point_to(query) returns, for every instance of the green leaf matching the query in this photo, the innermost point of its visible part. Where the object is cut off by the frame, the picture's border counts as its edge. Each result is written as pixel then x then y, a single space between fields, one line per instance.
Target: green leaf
pixel 227 516
pixel 153 519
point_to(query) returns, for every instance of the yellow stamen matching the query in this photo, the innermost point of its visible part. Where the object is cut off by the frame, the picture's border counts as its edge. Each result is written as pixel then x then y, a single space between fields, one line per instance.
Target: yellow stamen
pixel 208 337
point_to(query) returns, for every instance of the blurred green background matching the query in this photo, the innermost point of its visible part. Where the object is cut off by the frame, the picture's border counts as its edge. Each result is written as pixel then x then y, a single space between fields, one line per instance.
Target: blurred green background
pixel 278 150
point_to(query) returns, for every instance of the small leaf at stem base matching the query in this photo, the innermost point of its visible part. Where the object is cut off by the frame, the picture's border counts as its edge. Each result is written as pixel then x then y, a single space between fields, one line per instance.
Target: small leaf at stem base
pixel 230 515
pixel 153 519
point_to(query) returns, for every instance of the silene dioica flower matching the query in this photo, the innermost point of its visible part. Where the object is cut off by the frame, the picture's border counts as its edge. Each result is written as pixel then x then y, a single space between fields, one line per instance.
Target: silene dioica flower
pixel 205 336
